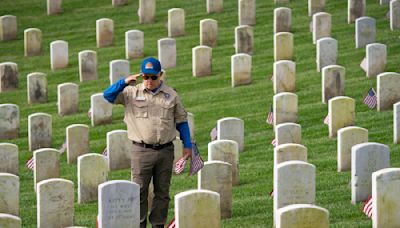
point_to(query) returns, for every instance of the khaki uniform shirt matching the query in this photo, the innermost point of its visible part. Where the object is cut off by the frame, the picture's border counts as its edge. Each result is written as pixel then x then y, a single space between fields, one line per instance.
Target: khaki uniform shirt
pixel 151 118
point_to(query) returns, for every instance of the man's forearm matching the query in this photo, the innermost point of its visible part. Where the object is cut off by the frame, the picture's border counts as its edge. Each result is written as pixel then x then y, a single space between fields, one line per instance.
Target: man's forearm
pixel 111 93
pixel 183 129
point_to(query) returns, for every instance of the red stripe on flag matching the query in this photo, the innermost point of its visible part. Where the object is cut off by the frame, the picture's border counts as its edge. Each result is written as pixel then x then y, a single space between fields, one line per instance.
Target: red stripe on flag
pixel 180 165
pixel 172 224
pixel 367 208
pixel 30 164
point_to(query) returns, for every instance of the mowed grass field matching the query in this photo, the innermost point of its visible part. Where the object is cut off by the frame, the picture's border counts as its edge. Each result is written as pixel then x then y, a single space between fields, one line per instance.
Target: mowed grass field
pixel 209 98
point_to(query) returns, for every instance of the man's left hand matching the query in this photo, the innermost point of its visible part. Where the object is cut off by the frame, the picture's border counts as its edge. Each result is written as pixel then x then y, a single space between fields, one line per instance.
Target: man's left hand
pixel 187 153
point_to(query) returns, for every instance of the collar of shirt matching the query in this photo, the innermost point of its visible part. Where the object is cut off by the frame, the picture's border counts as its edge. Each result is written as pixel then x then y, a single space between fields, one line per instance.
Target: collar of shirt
pixel 154 91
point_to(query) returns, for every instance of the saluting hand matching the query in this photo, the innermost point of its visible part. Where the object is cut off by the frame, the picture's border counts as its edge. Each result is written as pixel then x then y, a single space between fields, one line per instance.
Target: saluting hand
pixel 132 78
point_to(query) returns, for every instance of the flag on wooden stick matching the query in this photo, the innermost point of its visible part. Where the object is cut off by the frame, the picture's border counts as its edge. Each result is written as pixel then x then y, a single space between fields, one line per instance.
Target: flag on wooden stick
pixel 30 164
pixel 180 165
pixel 367 208
pixel 326 120
pixel 196 163
pixel 270 116
pixel 370 98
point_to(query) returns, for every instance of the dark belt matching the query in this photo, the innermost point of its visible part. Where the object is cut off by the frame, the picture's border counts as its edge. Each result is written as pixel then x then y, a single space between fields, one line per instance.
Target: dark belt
pixel 153 146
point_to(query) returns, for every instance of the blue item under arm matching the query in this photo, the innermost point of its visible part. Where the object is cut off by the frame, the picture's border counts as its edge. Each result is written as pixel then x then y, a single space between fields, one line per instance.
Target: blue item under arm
pixel 111 93
pixel 183 129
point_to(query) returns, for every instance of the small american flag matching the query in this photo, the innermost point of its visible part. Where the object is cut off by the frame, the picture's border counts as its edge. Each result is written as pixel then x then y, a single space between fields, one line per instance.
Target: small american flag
pixel 367 208
pixel 30 164
pixel 214 134
pixel 370 98
pixel 270 117
pixel 271 194
pixel 172 224
pixel 180 165
pixel 63 147
pixel 274 142
pixel 105 152
pixel 89 113
pixel 196 163
pixel 326 120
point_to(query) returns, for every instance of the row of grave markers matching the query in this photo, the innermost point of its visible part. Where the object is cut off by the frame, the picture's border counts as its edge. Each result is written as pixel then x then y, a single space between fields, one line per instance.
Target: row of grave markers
pixel 294 181
pixel 218 175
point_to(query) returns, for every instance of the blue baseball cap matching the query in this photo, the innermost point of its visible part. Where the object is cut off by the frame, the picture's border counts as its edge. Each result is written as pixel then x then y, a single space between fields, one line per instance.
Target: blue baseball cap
pixel 151 66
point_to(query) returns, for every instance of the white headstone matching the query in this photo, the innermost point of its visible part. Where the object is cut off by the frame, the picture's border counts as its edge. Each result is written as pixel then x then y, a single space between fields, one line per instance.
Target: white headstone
pixel 208 32
pixel 231 128
pixel 348 137
pixel 46 165
pixel 365 31
pixel 134 44
pixel 282 19
pixel 192 128
pixel 54 7
pixel 217 176
pixel 283 46
pixel 394 14
pixel 77 141
pixel 37 88
pixel 8 76
pixel 92 171
pixel 9 158
pixel 284 78
pixel 101 110
pixel 289 152
pixel 342 112
pixel 167 52
pixel 176 22
pixel 247 12
pixel 355 9
pixel 9 121
pixel 333 82
pixel 87 65
pixel 39 131
pixel 240 69
pixel 366 158
pixel 104 32
pixel 376 55
pixel 118 69
pixel 9 194
pixel 226 151
pixel 244 39
pixel 119 149
pixel 302 215
pixel 294 183
pixel 67 98
pixel 285 108
pixel 385 198
pixel 8 27
pixel 197 209
pixel 315 6
pixel 119 3
pixel 59 54
pixel 288 133
pixel 55 203
pixel 10 221
pixel 396 123
pixel 201 61
pixel 327 51
pixel 147 11
pixel 388 92
pixel 119 204
pixel 321 26
pixel 33 41
pixel 215 6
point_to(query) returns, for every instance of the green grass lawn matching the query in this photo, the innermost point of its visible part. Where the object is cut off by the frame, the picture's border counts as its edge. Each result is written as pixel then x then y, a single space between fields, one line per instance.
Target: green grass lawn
pixel 209 98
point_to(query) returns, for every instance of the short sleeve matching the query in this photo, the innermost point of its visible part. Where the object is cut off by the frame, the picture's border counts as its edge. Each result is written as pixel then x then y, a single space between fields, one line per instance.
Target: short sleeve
pixel 180 113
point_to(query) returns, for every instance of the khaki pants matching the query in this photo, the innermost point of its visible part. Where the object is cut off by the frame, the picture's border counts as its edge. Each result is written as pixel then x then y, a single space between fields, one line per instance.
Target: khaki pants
pixel 147 163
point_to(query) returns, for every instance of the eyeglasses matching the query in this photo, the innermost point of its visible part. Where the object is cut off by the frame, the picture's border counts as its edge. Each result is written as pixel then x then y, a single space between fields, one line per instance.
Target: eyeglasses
pixel 153 77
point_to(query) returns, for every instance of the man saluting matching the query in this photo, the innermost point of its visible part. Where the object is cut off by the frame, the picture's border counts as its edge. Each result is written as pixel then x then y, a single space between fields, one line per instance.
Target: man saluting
pixel 152 113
